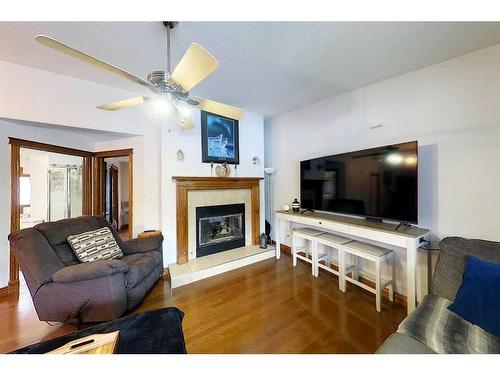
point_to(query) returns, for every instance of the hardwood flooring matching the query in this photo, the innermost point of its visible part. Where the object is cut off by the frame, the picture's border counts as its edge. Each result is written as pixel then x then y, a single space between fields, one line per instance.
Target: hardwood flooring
pixel 267 307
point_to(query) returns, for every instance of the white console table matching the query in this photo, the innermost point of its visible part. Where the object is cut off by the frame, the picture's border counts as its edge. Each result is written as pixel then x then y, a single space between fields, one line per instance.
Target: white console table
pixel 407 238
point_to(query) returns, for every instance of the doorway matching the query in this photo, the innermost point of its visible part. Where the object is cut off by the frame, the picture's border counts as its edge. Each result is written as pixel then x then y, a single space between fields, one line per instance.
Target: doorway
pixel 113 189
pixel 116 198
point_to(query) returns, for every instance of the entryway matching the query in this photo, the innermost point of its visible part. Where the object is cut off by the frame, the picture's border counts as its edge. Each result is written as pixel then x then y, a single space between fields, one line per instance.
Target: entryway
pixel 113 189
pixel 116 194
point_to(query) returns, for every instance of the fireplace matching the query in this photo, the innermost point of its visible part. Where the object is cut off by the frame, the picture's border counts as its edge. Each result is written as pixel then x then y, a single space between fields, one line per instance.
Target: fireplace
pixel 219 228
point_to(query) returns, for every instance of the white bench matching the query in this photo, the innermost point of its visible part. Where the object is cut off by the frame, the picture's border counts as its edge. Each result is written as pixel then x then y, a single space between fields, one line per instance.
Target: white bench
pixel 309 235
pixel 330 243
pixel 376 254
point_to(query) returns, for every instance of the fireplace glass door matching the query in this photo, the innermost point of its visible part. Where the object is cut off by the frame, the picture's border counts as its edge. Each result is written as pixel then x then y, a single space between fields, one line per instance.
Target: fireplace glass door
pixel 219 228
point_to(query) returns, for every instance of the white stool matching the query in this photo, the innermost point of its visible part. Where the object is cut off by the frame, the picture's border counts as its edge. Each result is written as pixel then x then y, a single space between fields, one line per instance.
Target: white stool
pixel 331 242
pixel 378 255
pixel 309 235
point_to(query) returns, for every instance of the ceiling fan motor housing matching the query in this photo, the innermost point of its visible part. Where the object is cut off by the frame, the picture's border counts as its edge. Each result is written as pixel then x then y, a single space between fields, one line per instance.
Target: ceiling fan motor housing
pixel 156 77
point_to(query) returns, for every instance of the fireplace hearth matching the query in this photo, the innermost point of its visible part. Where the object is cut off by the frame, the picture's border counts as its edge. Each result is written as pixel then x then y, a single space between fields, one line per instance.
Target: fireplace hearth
pixel 219 228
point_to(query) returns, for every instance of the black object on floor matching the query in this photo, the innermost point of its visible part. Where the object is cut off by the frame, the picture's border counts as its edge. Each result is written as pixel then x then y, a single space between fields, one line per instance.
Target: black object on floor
pixel 153 332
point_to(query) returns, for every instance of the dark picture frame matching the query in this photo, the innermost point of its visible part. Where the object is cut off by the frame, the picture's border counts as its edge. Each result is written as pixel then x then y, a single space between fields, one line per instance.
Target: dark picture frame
pixel 219 139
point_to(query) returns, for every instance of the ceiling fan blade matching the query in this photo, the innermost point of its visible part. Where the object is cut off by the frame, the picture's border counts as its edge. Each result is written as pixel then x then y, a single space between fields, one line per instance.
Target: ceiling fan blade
pixel 52 43
pixel 196 64
pixel 220 108
pixel 113 106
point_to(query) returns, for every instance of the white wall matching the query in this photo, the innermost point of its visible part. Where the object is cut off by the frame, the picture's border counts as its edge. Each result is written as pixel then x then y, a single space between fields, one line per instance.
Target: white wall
pixel 251 140
pixel 451 108
pixel 30 94
pixel 16 130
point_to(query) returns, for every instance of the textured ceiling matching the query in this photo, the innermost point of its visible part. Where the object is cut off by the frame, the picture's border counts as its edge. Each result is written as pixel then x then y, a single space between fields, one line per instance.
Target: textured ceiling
pixel 265 67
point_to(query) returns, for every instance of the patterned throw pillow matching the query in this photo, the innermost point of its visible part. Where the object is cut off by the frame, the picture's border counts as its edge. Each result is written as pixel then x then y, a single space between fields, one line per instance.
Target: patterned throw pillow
pixel 95 245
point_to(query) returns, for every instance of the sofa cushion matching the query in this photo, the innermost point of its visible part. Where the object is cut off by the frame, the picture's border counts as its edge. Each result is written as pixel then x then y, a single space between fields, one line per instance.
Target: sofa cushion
pixel 447 277
pixel 36 257
pixel 139 267
pixel 95 245
pixel 444 331
pixel 136 294
pixel 478 298
pixel 57 233
pixel 399 343
pixel 89 271
pixel 156 255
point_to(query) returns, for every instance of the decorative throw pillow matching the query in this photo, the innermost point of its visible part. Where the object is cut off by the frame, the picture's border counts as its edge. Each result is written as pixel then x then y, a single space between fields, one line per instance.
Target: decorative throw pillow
pixel 478 298
pixel 95 245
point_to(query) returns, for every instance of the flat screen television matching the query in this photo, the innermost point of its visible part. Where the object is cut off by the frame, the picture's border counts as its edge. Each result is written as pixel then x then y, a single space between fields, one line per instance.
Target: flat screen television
pixel 378 183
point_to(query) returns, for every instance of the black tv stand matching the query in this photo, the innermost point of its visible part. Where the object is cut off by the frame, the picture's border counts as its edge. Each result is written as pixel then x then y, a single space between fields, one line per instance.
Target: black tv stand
pixel 306 210
pixel 403 224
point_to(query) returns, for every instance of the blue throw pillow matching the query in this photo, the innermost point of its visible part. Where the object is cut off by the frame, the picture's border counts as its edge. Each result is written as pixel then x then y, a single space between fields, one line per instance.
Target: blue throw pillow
pixel 478 298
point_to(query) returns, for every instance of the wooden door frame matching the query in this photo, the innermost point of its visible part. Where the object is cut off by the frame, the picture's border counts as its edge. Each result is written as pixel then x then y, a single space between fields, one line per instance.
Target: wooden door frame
pixel 98 159
pixel 15 173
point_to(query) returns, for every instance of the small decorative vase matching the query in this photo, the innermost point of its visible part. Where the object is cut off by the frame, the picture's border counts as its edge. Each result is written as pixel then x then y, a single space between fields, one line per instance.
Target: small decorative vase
pixel 263 241
pixel 295 205
pixel 222 170
pixel 286 207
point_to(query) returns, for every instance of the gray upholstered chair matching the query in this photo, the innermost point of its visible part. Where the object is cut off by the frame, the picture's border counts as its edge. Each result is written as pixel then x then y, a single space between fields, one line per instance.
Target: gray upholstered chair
pixel 103 290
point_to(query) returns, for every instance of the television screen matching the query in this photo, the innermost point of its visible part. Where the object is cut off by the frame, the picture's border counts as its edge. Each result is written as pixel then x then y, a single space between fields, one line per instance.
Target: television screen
pixel 376 183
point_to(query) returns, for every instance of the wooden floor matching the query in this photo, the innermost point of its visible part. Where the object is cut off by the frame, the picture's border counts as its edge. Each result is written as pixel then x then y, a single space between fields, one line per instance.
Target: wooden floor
pixel 267 307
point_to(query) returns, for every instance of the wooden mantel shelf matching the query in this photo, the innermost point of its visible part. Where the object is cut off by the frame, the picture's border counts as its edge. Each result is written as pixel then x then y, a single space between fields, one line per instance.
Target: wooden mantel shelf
pixel 186 183
pixel 215 180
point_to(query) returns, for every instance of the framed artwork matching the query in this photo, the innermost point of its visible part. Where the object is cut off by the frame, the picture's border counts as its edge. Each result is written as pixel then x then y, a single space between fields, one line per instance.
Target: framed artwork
pixel 219 139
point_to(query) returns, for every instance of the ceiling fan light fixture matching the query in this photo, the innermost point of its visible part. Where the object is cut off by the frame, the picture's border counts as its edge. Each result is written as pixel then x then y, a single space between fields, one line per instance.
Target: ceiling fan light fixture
pixel 184 122
pixel 184 109
pixel 162 105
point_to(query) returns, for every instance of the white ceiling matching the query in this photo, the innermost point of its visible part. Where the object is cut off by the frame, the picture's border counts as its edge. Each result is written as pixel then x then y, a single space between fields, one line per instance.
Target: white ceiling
pixel 265 67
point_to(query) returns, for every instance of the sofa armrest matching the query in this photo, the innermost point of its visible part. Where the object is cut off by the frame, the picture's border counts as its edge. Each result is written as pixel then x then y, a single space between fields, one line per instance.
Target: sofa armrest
pixel 142 245
pixel 88 271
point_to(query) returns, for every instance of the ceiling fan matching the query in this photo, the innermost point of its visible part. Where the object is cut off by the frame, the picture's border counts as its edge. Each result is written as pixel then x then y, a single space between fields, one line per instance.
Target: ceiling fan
pixel 166 87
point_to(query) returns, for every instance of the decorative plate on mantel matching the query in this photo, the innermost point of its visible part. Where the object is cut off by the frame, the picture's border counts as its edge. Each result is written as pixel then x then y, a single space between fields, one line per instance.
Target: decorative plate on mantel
pixel 222 170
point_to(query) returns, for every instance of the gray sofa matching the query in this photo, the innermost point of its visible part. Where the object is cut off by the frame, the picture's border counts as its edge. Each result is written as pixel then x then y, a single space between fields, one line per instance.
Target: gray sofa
pixel 447 279
pixel 60 285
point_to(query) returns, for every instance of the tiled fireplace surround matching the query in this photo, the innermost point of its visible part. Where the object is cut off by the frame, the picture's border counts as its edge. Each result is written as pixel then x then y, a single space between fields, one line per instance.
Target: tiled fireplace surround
pixel 203 198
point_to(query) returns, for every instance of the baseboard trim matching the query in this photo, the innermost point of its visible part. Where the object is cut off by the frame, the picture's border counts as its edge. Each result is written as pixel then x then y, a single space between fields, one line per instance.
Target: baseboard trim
pixel 4 291
pixel 400 299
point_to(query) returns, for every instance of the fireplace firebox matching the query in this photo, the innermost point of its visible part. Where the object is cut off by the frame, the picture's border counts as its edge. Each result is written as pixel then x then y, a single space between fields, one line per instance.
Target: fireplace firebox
pixel 219 228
